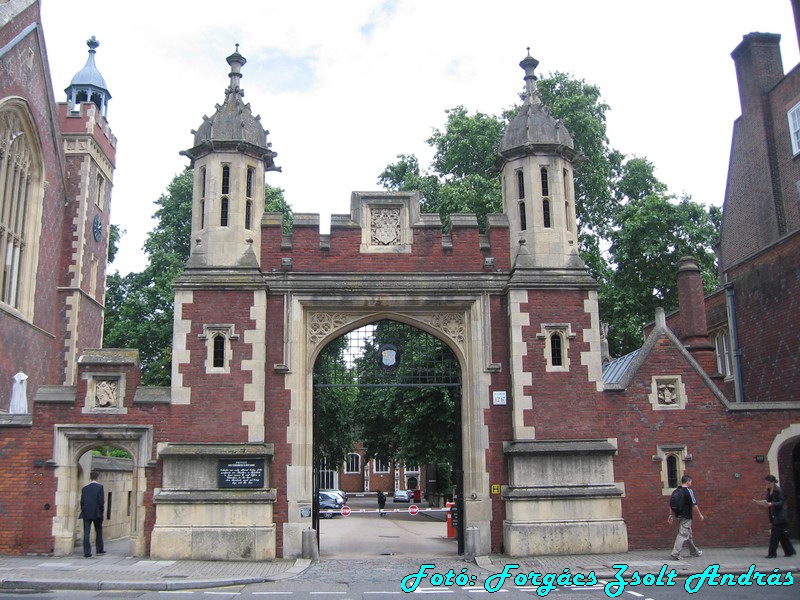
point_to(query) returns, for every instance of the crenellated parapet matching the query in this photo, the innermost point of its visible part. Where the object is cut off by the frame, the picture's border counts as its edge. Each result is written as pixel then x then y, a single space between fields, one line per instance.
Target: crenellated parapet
pixel 385 232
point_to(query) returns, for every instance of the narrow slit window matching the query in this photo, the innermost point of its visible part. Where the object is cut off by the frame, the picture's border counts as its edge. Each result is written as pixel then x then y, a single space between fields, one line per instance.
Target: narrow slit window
pixel 672 471
pixel 556 356
pixel 520 185
pixel 223 213
pixel 545 183
pixel 203 198
pixel 250 177
pixel 546 213
pixel 226 180
pixel 219 351
pixel 523 219
pixel 248 211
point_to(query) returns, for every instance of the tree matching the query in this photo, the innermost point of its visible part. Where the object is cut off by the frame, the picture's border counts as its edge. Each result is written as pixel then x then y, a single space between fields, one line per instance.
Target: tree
pixel 460 179
pixel 652 233
pixel 610 189
pixel 139 306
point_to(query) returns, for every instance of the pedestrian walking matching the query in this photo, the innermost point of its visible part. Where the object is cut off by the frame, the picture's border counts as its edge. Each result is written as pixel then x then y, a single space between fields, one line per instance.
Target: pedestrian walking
pixel 683 505
pixel 778 518
pixel 92 509
pixel 381 502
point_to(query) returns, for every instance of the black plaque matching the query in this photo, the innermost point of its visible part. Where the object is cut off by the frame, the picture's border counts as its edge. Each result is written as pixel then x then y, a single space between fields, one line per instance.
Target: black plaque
pixel 241 473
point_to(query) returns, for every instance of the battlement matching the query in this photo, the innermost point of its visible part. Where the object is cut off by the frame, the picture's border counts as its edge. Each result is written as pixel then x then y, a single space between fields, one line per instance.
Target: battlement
pixel 385 232
pixel 88 120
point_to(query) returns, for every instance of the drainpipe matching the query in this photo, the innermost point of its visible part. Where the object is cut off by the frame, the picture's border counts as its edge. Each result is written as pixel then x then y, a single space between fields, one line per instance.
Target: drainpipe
pixel 737 352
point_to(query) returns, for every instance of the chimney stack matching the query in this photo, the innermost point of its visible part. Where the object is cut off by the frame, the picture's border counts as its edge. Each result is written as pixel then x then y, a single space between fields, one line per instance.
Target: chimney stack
pixel 694 326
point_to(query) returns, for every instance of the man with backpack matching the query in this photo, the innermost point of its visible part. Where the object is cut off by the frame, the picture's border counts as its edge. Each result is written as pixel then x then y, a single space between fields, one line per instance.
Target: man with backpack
pixel 683 505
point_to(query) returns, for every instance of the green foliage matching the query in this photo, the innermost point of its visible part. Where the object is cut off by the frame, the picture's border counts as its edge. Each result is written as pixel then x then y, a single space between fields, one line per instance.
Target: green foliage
pixel 403 414
pixel 276 202
pixel 111 451
pixel 619 202
pixel 653 233
pixel 115 233
pixel 139 306
pixel 460 179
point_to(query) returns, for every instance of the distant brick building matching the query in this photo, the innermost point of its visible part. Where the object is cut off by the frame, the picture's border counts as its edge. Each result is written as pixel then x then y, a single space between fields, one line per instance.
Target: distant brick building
pixel 557 454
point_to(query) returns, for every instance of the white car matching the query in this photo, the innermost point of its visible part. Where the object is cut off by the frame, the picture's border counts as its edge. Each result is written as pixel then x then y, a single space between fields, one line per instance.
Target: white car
pixel 402 496
pixel 342 496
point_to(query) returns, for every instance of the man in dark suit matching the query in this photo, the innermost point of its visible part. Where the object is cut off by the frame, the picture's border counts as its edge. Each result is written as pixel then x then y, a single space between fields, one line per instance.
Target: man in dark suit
pixel 779 519
pixel 92 507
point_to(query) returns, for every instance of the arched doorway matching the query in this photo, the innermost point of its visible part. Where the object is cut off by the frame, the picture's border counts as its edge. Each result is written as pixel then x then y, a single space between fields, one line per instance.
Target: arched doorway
pixel 114 466
pixel 392 393
pixel 73 451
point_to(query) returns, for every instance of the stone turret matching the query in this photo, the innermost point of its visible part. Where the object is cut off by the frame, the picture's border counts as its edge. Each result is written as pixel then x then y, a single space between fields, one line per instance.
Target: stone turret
pixel 230 156
pixel 536 157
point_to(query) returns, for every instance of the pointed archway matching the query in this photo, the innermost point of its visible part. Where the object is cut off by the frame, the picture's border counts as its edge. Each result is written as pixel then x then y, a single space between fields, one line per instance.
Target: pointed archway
pixel 394 391
pixel 71 443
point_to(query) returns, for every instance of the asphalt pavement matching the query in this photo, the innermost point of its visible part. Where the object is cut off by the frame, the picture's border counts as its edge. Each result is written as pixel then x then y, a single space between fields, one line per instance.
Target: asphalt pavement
pixel 115 571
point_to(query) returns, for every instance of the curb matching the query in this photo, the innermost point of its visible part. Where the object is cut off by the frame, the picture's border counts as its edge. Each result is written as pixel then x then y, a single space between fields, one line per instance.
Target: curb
pixel 300 565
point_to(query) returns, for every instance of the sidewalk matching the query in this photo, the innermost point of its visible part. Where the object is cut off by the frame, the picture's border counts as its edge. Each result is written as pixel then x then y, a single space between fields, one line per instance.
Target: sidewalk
pixel 114 571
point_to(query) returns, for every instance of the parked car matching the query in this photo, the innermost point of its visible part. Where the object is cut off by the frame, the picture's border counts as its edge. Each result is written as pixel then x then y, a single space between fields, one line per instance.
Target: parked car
pixel 402 496
pixel 329 505
pixel 339 493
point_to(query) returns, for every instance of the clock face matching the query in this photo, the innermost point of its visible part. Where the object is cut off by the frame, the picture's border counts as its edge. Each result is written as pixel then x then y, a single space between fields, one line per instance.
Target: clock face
pixel 97 228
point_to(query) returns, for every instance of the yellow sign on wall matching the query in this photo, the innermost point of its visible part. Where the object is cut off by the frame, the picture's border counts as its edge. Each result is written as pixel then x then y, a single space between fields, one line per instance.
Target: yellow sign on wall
pixel 495 488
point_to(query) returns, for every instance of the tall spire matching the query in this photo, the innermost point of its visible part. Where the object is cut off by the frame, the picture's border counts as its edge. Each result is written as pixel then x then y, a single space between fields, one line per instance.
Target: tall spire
pixel 88 84
pixel 529 65
pixel 236 61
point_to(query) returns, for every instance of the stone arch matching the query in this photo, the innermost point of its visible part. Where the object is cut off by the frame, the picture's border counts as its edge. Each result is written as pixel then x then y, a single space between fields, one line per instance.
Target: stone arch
pixel 785 452
pixel 71 442
pixel 312 324
pixel 790 434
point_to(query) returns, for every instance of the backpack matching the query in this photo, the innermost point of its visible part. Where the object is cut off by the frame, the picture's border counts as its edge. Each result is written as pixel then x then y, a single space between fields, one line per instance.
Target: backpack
pixel 677 501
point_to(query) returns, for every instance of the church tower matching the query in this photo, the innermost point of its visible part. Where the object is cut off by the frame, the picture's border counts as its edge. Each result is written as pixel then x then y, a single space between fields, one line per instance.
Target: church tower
pixel 230 156
pixel 536 157
pixel 90 153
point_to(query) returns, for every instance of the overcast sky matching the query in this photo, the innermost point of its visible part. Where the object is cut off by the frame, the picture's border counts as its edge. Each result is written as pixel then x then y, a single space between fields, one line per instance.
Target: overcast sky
pixel 344 87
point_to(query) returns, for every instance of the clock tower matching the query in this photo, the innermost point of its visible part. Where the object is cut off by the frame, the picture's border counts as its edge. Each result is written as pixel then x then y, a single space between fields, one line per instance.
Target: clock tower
pixel 90 154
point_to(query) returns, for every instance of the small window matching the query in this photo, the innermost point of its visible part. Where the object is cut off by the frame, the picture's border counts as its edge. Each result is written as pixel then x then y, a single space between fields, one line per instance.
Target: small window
pixel 555 338
pixel 567 216
pixel 353 463
pixel 226 180
pixel 523 218
pixel 219 351
pixel 381 466
pixel 794 128
pixel 546 213
pixel 520 185
pixel 722 351
pixel 556 350
pixel 248 205
pixel 545 182
pixel 673 468
pixel 223 213
pixel 100 191
pixel 673 459
pixel 251 173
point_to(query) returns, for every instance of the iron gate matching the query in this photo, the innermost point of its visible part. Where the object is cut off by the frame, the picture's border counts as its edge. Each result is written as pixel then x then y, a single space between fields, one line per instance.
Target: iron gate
pixel 378 385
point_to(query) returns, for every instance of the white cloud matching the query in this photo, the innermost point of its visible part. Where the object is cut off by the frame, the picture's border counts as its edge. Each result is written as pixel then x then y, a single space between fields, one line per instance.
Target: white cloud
pixel 343 87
